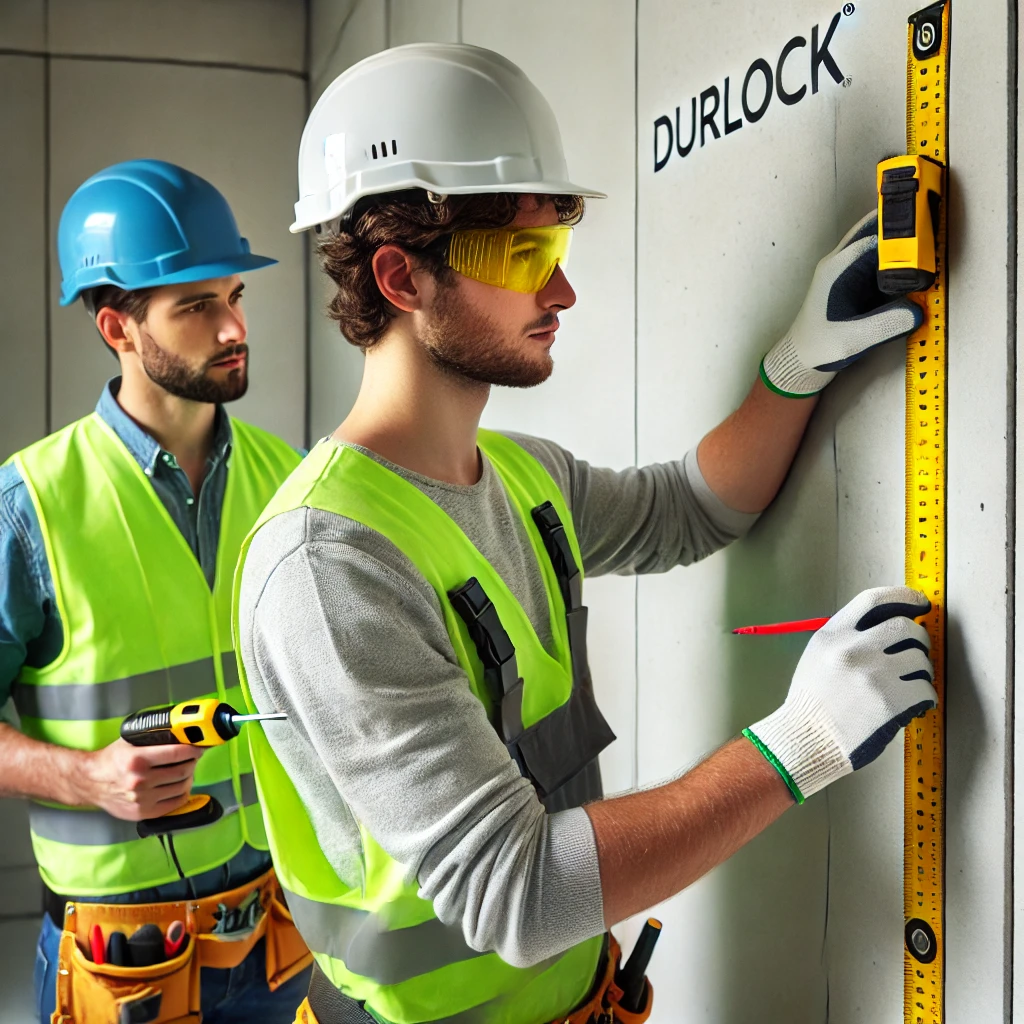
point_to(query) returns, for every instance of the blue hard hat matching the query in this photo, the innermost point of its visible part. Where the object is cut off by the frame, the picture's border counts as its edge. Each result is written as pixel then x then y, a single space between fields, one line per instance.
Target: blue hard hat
pixel 146 223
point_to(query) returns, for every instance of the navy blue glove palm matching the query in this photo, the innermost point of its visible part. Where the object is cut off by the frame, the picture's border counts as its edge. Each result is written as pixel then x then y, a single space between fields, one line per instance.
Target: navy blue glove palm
pixel 843 316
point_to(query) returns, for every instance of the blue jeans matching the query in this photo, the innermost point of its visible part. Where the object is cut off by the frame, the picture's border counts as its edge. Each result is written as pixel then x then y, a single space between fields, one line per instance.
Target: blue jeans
pixel 234 996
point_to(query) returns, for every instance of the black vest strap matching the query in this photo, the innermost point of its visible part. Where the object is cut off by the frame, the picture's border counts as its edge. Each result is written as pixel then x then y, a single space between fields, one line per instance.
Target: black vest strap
pixel 552 532
pixel 495 650
pixel 559 747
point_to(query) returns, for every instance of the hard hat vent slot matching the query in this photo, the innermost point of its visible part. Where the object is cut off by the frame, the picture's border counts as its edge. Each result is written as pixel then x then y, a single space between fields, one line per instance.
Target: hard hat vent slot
pixel 384 149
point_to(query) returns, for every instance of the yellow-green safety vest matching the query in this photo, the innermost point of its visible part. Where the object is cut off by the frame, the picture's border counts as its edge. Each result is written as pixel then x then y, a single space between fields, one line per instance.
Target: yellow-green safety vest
pixel 141 628
pixel 381 943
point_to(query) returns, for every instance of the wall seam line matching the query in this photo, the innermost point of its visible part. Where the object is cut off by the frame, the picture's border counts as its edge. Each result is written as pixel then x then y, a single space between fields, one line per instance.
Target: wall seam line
pixel 636 374
pixel 307 255
pixel 1011 493
pixel 47 226
pixel 166 61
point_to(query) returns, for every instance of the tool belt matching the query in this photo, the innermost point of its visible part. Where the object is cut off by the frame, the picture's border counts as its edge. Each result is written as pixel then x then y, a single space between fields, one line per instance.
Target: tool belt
pixel 168 992
pixel 326 1004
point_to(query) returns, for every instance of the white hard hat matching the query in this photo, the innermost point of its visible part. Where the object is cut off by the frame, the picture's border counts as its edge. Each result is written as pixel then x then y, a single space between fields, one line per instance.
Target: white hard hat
pixel 447 117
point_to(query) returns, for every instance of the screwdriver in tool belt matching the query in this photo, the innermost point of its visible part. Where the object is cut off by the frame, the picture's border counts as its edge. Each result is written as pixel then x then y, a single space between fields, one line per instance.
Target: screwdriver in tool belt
pixel 631 977
pixel 207 722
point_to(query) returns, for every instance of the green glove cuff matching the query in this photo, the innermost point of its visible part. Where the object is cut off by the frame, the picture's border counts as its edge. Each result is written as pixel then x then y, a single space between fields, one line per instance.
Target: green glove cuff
pixel 775 762
pixel 785 394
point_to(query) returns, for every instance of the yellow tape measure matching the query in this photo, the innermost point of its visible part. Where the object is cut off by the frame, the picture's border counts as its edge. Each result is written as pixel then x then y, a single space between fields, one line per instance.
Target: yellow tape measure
pixel 925 553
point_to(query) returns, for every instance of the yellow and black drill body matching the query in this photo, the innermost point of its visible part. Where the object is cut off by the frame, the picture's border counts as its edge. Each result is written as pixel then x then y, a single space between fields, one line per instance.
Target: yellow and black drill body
pixel 205 722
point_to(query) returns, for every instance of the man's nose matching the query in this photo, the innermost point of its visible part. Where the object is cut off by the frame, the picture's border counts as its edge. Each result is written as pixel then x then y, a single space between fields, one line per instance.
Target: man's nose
pixel 557 293
pixel 232 329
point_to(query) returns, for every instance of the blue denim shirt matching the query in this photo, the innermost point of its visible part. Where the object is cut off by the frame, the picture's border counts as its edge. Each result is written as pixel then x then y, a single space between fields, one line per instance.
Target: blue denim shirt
pixel 30 627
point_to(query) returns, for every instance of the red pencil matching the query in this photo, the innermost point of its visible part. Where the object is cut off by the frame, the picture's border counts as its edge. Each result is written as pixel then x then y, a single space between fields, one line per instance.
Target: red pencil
pixel 800 626
pixel 96 942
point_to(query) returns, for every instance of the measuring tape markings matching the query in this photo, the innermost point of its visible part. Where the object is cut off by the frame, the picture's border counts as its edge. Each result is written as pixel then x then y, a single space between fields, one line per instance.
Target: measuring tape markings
pixel 925 550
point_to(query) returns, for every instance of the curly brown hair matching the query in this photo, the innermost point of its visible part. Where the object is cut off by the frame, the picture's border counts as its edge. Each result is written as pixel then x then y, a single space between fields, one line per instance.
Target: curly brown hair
pixel 420 223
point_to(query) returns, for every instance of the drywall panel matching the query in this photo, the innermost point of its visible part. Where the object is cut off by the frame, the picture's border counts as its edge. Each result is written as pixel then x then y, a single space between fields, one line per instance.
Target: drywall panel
pixel 23 265
pixel 979 799
pixel 342 34
pixel 587 405
pixel 16 849
pixel 23 25
pixel 327 19
pixel 336 367
pixel 735 208
pixel 18 943
pixel 240 130
pixel 255 33
pixel 423 21
pixel 727 236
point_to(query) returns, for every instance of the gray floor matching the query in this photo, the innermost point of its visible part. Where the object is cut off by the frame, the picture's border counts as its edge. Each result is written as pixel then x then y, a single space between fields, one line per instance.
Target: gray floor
pixel 17 952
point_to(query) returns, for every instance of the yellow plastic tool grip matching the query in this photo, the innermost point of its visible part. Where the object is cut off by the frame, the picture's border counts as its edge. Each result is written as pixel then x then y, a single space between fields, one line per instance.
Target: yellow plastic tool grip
pixel 205 722
pixel 909 194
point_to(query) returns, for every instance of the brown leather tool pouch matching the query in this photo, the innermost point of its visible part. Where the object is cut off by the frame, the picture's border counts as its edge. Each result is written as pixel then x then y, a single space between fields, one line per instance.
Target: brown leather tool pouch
pixel 287 954
pixel 168 992
pixel 88 993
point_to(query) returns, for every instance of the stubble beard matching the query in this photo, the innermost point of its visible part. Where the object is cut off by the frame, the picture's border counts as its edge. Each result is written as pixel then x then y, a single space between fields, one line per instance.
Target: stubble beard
pixel 178 378
pixel 471 347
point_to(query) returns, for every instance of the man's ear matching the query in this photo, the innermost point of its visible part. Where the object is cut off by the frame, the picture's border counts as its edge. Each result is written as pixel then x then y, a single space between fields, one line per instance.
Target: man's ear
pixel 113 329
pixel 395 274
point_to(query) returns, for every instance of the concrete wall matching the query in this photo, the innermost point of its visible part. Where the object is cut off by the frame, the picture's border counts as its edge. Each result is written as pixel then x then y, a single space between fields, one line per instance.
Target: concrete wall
pixel 218 87
pixel 685 276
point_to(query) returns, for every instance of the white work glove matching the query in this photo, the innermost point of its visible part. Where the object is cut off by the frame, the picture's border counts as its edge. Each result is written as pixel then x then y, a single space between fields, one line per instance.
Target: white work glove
pixel 843 316
pixel 862 678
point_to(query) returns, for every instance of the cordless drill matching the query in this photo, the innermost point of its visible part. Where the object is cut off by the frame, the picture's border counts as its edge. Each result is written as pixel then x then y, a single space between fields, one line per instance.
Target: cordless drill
pixel 206 722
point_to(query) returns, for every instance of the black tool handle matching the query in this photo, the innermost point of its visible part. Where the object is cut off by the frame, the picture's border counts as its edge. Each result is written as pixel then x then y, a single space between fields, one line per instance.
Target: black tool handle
pixel 631 978
pixel 149 728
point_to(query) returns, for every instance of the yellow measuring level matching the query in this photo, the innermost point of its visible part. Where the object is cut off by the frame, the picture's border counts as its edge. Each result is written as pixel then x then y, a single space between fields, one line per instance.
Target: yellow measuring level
pixel 925 553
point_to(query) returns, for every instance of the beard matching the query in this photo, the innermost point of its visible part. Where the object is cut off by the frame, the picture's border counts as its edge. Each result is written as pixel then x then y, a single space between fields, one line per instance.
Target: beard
pixel 472 347
pixel 179 378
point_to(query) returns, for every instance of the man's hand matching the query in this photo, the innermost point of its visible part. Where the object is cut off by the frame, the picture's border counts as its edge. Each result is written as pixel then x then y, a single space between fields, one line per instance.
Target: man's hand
pixel 133 783
pixel 861 679
pixel 843 316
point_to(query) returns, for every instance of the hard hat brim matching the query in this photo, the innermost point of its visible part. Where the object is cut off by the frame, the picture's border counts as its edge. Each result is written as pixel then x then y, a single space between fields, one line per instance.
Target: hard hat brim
pixel 239 264
pixel 546 188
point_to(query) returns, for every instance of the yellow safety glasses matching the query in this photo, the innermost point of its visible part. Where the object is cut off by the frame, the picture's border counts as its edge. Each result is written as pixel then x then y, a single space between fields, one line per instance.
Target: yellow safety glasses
pixel 520 259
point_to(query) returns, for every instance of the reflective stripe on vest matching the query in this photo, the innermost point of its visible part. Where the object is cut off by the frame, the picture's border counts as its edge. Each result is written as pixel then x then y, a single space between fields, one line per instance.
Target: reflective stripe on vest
pixel 84 827
pixel 361 939
pixel 141 628
pixel 118 698
pixel 378 941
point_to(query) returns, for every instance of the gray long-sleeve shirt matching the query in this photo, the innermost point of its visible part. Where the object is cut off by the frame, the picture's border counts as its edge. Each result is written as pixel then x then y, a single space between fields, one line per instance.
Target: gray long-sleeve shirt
pixel 339 630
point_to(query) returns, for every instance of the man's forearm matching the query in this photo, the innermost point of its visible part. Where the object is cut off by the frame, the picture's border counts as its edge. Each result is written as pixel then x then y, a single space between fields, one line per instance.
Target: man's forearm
pixel 31 768
pixel 653 844
pixel 746 458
